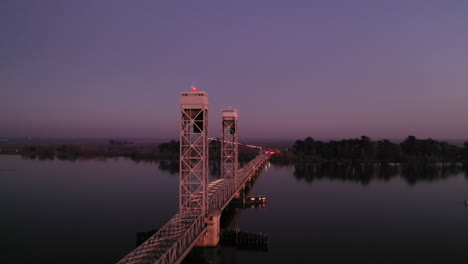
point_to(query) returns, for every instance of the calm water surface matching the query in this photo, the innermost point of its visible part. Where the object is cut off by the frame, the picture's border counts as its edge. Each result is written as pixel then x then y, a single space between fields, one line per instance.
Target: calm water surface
pixel 88 211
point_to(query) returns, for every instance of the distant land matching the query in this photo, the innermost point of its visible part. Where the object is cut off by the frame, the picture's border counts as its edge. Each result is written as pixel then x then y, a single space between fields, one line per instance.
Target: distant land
pixel 87 148
pixel 279 143
pixel 355 158
pixel 151 147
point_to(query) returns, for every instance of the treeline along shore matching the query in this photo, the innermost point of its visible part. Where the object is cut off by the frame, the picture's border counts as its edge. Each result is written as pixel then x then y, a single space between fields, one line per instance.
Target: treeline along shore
pixel 113 148
pixel 362 159
pixel 382 151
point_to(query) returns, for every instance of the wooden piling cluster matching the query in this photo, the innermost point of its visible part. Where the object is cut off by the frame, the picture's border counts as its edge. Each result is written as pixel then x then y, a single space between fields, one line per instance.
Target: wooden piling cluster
pixel 244 240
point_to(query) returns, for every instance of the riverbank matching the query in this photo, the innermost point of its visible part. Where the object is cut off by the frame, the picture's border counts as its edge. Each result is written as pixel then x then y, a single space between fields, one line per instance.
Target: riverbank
pixel 99 148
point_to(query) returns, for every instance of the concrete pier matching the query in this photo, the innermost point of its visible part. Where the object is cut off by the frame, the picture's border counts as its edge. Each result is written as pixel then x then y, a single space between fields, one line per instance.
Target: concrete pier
pixel 213 230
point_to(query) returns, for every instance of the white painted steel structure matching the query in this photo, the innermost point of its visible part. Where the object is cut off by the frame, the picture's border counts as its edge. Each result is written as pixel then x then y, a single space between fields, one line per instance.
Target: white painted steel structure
pixel 229 144
pixel 172 242
pixel 193 152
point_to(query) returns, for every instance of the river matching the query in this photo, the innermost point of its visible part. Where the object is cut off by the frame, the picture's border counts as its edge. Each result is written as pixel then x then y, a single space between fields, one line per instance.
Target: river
pixel 88 211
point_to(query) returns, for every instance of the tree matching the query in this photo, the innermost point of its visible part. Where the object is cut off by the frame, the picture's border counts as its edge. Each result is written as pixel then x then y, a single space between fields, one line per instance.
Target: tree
pixel 169 147
pixel 465 151
pixel 387 151
pixel 299 147
pixel 409 146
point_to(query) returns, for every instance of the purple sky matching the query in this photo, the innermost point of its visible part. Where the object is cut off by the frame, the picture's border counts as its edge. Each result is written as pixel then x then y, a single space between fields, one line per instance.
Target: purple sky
pixel 328 69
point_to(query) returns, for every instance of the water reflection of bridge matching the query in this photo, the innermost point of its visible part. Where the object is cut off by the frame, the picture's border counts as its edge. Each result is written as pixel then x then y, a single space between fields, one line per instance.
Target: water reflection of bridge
pixel 200 202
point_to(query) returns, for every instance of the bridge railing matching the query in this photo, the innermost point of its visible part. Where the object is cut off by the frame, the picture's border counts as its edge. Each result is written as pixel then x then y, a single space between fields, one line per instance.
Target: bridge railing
pixel 222 195
pixel 229 187
pixel 250 168
pixel 184 243
pixel 170 242
pixel 178 236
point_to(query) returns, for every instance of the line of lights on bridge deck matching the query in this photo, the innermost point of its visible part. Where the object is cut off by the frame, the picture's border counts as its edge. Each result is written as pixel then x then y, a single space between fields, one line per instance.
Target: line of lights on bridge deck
pixel 250 146
pixel 247 145
pixel 194 88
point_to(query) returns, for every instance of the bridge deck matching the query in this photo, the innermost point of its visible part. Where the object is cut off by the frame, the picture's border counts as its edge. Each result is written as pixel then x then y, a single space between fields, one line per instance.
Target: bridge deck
pixel 172 242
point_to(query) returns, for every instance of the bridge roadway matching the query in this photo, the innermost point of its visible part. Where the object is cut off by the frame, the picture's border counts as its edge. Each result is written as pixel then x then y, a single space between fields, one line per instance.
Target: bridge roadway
pixel 172 242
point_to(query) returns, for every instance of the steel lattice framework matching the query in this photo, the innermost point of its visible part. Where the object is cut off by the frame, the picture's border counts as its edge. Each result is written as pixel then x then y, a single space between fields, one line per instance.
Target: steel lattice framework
pixel 172 242
pixel 193 152
pixel 229 144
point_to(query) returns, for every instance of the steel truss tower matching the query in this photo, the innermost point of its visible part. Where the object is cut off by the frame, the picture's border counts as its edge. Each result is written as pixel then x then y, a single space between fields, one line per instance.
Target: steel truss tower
pixel 194 152
pixel 229 144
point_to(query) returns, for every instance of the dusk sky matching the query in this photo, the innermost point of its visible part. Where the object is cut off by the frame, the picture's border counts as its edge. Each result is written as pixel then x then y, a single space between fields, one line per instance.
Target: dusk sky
pixel 326 69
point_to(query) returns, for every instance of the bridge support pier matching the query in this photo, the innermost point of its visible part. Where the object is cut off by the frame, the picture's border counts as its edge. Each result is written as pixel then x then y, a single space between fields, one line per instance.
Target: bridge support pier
pixel 211 237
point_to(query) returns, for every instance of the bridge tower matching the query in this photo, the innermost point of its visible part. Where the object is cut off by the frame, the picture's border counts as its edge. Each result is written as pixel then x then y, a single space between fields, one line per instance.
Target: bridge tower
pixel 193 152
pixel 229 144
